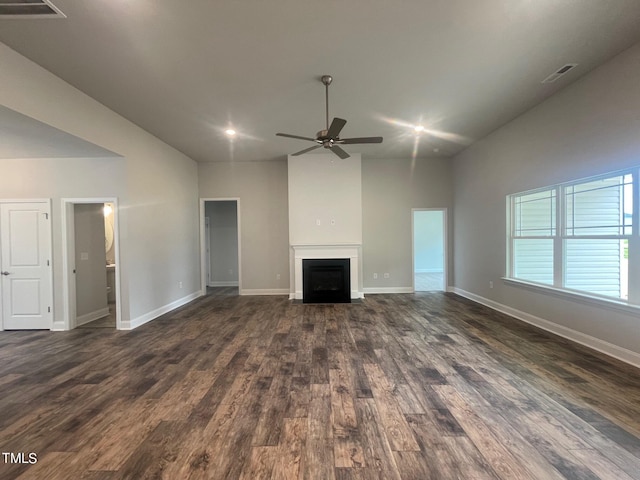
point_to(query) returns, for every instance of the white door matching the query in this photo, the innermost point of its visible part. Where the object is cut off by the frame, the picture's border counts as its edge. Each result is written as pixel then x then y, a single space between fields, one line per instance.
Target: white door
pixel 25 265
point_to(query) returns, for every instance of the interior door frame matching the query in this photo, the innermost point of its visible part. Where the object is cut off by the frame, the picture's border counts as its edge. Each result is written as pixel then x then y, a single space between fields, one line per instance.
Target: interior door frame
pixel 48 203
pixel 203 250
pixel 445 223
pixel 68 258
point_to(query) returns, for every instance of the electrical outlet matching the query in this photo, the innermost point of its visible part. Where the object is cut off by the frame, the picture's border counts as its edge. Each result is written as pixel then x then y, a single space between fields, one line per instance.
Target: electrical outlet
pixel 318 222
pixel 84 256
pixel 230 271
pixel 386 275
pixel 375 276
pixel 333 222
pixel 490 283
pixel 277 276
pixel 180 284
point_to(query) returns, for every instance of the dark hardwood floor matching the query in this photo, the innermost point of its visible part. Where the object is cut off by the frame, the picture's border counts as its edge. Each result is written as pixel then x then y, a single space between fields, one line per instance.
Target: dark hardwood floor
pixel 424 386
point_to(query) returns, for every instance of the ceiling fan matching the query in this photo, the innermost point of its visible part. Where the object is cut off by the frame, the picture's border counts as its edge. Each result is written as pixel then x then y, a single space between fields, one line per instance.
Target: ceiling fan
pixel 330 138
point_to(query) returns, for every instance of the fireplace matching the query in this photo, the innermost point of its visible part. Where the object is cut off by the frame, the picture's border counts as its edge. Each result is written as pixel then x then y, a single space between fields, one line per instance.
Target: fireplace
pixel 344 251
pixel 326 280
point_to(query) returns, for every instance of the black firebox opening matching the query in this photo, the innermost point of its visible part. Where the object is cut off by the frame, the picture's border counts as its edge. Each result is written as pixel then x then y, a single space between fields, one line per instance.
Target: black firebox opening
pixel 326 280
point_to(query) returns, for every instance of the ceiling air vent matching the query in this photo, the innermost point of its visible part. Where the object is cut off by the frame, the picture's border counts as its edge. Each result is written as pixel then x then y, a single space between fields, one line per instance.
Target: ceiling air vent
pixel 560 72
pixel 29 9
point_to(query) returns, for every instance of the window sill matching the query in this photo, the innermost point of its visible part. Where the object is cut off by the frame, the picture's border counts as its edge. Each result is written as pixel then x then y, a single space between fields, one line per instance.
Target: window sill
pixel 576 296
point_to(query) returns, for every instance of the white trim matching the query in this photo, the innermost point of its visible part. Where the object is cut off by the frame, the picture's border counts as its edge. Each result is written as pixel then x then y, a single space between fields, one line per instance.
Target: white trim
pixel 147 317
pixel 49 204
pixel 615 351
pixel 223 284
pixel 203 251
pixel 265 291
pixel 91 316
pixel 375 290
pixel 58 326
pixel 68 259
pixel 352 251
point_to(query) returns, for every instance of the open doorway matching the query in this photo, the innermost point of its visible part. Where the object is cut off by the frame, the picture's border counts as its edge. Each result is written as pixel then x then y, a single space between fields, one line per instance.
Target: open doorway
pixel 90 272
pixel 220 253
pixel 429 227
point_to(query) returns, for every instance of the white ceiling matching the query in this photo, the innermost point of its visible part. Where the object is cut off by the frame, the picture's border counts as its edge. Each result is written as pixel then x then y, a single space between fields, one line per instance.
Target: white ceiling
pixel 185 71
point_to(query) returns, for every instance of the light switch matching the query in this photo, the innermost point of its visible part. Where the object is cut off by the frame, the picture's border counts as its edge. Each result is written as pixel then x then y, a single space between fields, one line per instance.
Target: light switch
pixel 318 222
pixel 84 256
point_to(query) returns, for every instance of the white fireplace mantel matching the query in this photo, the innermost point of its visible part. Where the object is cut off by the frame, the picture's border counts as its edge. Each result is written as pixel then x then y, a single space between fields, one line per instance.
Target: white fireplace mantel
pixel 352 251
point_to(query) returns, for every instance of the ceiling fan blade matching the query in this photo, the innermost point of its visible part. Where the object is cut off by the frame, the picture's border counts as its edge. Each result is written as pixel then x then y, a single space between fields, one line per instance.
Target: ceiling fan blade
pixel 336 125
pixel 296 136
pixel 340 152
pixel 351 141
pixel 306 150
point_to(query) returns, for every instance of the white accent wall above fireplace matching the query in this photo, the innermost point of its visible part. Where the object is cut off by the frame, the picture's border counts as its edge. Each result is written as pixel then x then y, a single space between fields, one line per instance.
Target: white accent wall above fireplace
pixel 325 214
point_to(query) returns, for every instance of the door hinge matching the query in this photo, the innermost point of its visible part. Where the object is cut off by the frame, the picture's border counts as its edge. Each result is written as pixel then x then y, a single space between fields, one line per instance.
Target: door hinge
pixel 46 216
pixel 48 263
pixel 49 309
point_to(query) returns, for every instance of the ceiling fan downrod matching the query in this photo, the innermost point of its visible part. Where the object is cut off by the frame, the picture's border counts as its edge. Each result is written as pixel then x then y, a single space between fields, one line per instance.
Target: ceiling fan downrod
pixel 327 79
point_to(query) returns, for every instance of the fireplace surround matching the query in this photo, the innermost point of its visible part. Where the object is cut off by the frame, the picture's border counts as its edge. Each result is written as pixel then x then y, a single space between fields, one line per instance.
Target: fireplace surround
pixel 350 252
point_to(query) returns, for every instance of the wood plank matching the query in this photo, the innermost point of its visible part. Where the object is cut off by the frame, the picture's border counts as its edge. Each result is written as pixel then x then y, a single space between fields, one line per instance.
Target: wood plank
pixel 397 429
pixel 396 386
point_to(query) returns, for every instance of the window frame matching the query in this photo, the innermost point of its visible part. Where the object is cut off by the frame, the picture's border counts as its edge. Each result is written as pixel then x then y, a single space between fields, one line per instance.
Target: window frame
pixel 560 236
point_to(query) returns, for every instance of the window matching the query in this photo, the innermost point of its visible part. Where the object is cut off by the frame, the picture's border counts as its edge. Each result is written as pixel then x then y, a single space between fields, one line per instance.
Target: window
pixel 576 236
pixel 534 223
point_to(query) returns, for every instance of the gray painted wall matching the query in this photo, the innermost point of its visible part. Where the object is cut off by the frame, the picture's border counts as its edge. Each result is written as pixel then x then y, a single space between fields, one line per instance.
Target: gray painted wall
pixel 590 127
pixel 223 224
pixel 264 218
pixel 156 186
pixel 91 269
pixel 390 189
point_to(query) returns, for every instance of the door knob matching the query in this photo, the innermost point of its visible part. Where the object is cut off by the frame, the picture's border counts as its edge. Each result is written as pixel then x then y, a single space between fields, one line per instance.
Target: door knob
pixel 6 273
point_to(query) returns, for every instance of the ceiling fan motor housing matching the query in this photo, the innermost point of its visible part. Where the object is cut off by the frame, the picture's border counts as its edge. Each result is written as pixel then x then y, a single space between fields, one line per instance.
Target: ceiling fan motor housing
pixel 322 134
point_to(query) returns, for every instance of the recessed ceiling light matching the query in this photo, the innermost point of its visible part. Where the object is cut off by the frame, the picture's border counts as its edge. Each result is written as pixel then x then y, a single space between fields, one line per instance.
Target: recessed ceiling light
pixel 419 128
pixel 230 131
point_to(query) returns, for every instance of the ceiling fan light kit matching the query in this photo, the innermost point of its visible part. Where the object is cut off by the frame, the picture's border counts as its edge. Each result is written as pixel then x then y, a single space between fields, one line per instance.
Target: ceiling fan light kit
pixel 330 137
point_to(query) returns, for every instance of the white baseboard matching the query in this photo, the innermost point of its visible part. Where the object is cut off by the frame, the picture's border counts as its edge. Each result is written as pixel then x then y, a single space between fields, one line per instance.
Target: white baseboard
pixel 147 317
pixel 223 284
pixel 627 356
pixel 91 316
pixel 57 326
pixel 375 290
pixel 429 270
pixel 265 291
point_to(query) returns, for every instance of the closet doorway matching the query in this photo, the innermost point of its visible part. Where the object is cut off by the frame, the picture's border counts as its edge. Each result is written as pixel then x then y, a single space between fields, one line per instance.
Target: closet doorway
pixel 220 253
